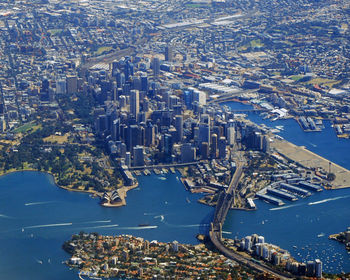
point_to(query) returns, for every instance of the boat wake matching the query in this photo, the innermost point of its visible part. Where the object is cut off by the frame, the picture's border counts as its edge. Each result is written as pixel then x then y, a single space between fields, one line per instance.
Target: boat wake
pixel 187 226
pixel 313 145
pixel 38 203
pixel 97 222
pixel 5 216
pixel 321 234
pixel 227 232
pixel 49 225
pixel 38 261
pixel 285 207
pixel 328 199
pixel 159 216
pixel 139 228
pixel 149 214
pixel 106 226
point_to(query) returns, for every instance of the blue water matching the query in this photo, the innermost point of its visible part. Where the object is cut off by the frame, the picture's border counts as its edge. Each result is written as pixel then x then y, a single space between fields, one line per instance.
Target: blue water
pixel 49 215
pixel 302 224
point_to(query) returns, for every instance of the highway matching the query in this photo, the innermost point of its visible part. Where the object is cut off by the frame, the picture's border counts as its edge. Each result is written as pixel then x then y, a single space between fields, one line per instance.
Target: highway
pixel 224 203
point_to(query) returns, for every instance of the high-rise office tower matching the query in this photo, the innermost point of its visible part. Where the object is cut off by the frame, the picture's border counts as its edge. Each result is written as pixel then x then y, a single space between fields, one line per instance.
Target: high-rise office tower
pixel 169 56
pixel 214 145
pixel 179 128
pixel 72 84
pixel 231 135
pixel 222 147
pixel 156 66
pixel 134 102
pixel 138 156
pixel 144 83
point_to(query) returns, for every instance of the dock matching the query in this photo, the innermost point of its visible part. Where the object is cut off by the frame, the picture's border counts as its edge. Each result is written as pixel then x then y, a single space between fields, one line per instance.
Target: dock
pixel 281 194
pixel 271 199
pixel 294 189
pixel 311 187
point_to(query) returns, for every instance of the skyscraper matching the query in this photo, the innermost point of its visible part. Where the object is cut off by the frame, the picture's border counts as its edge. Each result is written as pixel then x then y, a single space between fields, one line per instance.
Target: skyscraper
pixel 72 84
pixel 214 145
pixel 134 102
pixel 222 147
pixel 179 128
pixel 231 135
pixel 169 56
pixel 156 66
pixel 138 156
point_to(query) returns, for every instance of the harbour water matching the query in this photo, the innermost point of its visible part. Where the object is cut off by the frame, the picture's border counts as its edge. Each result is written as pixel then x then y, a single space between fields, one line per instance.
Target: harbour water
pixel 37 216
pixel 302 227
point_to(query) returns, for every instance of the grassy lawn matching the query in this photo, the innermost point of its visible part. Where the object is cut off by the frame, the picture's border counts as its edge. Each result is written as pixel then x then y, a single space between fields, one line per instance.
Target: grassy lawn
pixel 296 77
pixel 57 139
pixel 101 50
pixel 322 81
pixel 26 127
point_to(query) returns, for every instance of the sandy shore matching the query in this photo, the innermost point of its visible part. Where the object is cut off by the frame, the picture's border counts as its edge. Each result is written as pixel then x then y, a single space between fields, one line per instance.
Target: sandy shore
pixel 311 160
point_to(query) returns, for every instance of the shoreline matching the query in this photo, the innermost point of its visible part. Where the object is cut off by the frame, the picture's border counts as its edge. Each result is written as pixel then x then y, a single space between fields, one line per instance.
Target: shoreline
pixel 122 191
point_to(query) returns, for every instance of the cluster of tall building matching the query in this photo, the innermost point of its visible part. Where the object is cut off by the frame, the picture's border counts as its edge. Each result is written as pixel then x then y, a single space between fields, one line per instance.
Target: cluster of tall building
pixel 146 122
pixel 256 246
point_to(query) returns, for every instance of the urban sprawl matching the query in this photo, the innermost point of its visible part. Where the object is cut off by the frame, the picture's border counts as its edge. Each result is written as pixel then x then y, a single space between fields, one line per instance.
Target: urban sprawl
pixel 98 92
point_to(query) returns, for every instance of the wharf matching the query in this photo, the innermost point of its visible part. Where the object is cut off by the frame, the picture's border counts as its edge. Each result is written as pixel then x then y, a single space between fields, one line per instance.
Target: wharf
pixel 311 160
pixel 270 199
pixel 294 189
pixel 281 194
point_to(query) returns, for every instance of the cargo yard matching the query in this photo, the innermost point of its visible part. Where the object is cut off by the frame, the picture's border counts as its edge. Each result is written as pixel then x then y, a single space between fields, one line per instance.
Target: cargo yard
pixel 313 161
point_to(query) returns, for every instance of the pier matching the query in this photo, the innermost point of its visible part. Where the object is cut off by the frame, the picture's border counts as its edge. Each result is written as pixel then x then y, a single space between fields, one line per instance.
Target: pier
pixel 294 189
pixel 271 199
pixel 282 194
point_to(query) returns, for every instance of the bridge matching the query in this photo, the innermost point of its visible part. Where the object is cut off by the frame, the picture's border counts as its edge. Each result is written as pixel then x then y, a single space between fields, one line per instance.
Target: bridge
pixel 224 203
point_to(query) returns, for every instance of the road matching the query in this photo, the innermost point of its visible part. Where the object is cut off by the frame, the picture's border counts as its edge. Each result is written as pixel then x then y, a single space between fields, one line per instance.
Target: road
pixel 224 203
pixel 163 165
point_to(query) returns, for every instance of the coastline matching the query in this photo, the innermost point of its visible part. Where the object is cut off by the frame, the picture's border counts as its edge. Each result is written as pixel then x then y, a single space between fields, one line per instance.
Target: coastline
pixel 122 191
